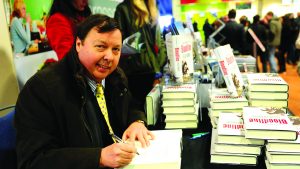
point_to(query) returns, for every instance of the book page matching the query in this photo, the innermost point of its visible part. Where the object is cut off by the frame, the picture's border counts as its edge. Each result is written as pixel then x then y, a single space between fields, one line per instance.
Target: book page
pixel 166 147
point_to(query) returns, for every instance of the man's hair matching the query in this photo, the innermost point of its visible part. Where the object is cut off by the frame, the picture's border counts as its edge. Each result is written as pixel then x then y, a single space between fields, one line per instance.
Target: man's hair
pixel 256 18
pixel 66 8
pixel 100 22
pixel 270 13
pixel 232 14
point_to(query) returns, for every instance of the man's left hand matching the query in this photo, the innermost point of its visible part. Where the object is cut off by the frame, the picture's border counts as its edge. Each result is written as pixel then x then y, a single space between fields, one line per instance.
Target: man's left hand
pixel 138 131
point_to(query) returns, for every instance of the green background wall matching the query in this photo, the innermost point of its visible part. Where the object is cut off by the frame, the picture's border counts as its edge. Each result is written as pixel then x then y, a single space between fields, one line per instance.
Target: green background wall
pixel 201 11
pixel 36 7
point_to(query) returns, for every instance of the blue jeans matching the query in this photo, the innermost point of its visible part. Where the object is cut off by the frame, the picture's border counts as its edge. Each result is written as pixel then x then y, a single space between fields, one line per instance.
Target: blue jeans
pixel 273 65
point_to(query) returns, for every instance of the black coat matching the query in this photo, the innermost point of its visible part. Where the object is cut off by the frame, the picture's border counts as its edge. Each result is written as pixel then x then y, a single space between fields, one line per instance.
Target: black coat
pixel 54 117
pixel 234 34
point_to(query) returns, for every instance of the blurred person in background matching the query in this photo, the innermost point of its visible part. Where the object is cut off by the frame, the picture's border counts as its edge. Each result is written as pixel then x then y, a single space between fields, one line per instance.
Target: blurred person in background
pixel 20 36
pixel 287 47
pixel 142 16
pixel 234 33
pixel 64 16
pixel 261 33
pixel 246 46
pixel 275 28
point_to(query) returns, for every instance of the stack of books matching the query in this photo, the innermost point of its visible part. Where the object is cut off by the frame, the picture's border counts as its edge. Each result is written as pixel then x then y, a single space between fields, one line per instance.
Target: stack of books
pixel 284 154
pixel 222 101
pixel 180 106
pixel 267 90
pixel 229 145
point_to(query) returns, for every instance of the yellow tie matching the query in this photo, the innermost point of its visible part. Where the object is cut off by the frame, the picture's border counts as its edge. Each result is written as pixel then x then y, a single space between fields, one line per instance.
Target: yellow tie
pixel 102 104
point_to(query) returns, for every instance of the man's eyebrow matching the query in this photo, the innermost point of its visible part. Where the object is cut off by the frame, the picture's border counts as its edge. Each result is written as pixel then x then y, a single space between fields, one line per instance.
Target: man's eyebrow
pixel 99 41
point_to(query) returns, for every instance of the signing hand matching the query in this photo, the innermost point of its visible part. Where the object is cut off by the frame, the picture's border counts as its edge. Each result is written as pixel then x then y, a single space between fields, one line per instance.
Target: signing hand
pixel 138 131
pixel 117 155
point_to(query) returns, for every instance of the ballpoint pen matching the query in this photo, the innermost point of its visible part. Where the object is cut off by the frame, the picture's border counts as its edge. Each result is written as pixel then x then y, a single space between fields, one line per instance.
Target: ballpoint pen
pixel 119 140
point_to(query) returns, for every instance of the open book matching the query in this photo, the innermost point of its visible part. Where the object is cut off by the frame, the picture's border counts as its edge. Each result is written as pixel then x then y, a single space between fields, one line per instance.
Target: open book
pixel 164 152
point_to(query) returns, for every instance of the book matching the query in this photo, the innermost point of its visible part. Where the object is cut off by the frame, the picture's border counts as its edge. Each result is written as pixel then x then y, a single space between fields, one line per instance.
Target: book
pixel 181 117
pixel 268 103
pixel 281 166
pixel 261 120
pixel 234 148
pixel 180 110
pixel 180 56
pixel 169 156
pixel 216 112
pixel 265 95
pixel 173 117
pixel 181 124
pixel 230 70
pixel 286 146
pixel 178 102
pixel 231 130
pixel 184 91
pixel 282 157
pixel 227 158
pixel 153 105
pixel 226 101
pixel 266 82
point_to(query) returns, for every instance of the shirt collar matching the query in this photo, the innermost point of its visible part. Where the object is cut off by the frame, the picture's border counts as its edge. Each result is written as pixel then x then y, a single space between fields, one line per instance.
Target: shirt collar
pixel 93 84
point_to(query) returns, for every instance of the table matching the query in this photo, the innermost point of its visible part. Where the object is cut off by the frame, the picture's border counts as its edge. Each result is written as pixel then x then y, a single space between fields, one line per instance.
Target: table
pixel 196 153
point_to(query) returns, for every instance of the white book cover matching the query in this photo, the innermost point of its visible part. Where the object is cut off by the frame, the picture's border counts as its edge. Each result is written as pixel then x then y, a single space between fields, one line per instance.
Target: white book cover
pixel 265 78
pixel 296 122
pixel 230 124
pixel 266 118
pixel 231 130
pixel 180 56
pixel 266 82
pixel 230 70
pixel 179 88
pixel 259 120
pixel 226 97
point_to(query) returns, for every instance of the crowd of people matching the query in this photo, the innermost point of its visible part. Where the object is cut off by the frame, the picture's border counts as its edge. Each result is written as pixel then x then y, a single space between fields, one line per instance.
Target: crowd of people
pixel 277 34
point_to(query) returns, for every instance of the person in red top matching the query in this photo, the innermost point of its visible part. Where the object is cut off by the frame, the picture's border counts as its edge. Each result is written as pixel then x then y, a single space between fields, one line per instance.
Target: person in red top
pixel 64 16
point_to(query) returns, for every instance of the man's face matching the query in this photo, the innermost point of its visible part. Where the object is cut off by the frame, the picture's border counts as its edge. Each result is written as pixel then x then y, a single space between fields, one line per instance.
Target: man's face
pixel 80 4
pixel 99 53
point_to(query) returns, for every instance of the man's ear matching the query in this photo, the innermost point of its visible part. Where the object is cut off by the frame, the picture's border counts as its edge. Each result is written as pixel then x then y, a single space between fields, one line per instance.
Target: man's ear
pixel 78 44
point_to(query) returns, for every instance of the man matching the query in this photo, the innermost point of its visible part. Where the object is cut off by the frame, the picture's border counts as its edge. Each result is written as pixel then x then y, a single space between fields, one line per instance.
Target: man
pixel 58 120
pixel 234 33
pixel 275 28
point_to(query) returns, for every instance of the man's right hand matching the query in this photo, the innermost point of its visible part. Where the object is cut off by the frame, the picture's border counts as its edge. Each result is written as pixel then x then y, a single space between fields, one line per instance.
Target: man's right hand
pixel 117 155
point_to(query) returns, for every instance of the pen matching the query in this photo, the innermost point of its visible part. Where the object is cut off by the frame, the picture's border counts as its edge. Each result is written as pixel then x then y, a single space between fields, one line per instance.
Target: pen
pixel 119 140
pixel 198 135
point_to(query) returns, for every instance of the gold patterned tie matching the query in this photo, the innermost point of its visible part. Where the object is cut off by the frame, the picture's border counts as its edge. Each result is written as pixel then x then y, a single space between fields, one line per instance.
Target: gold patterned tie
pixel 102 104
